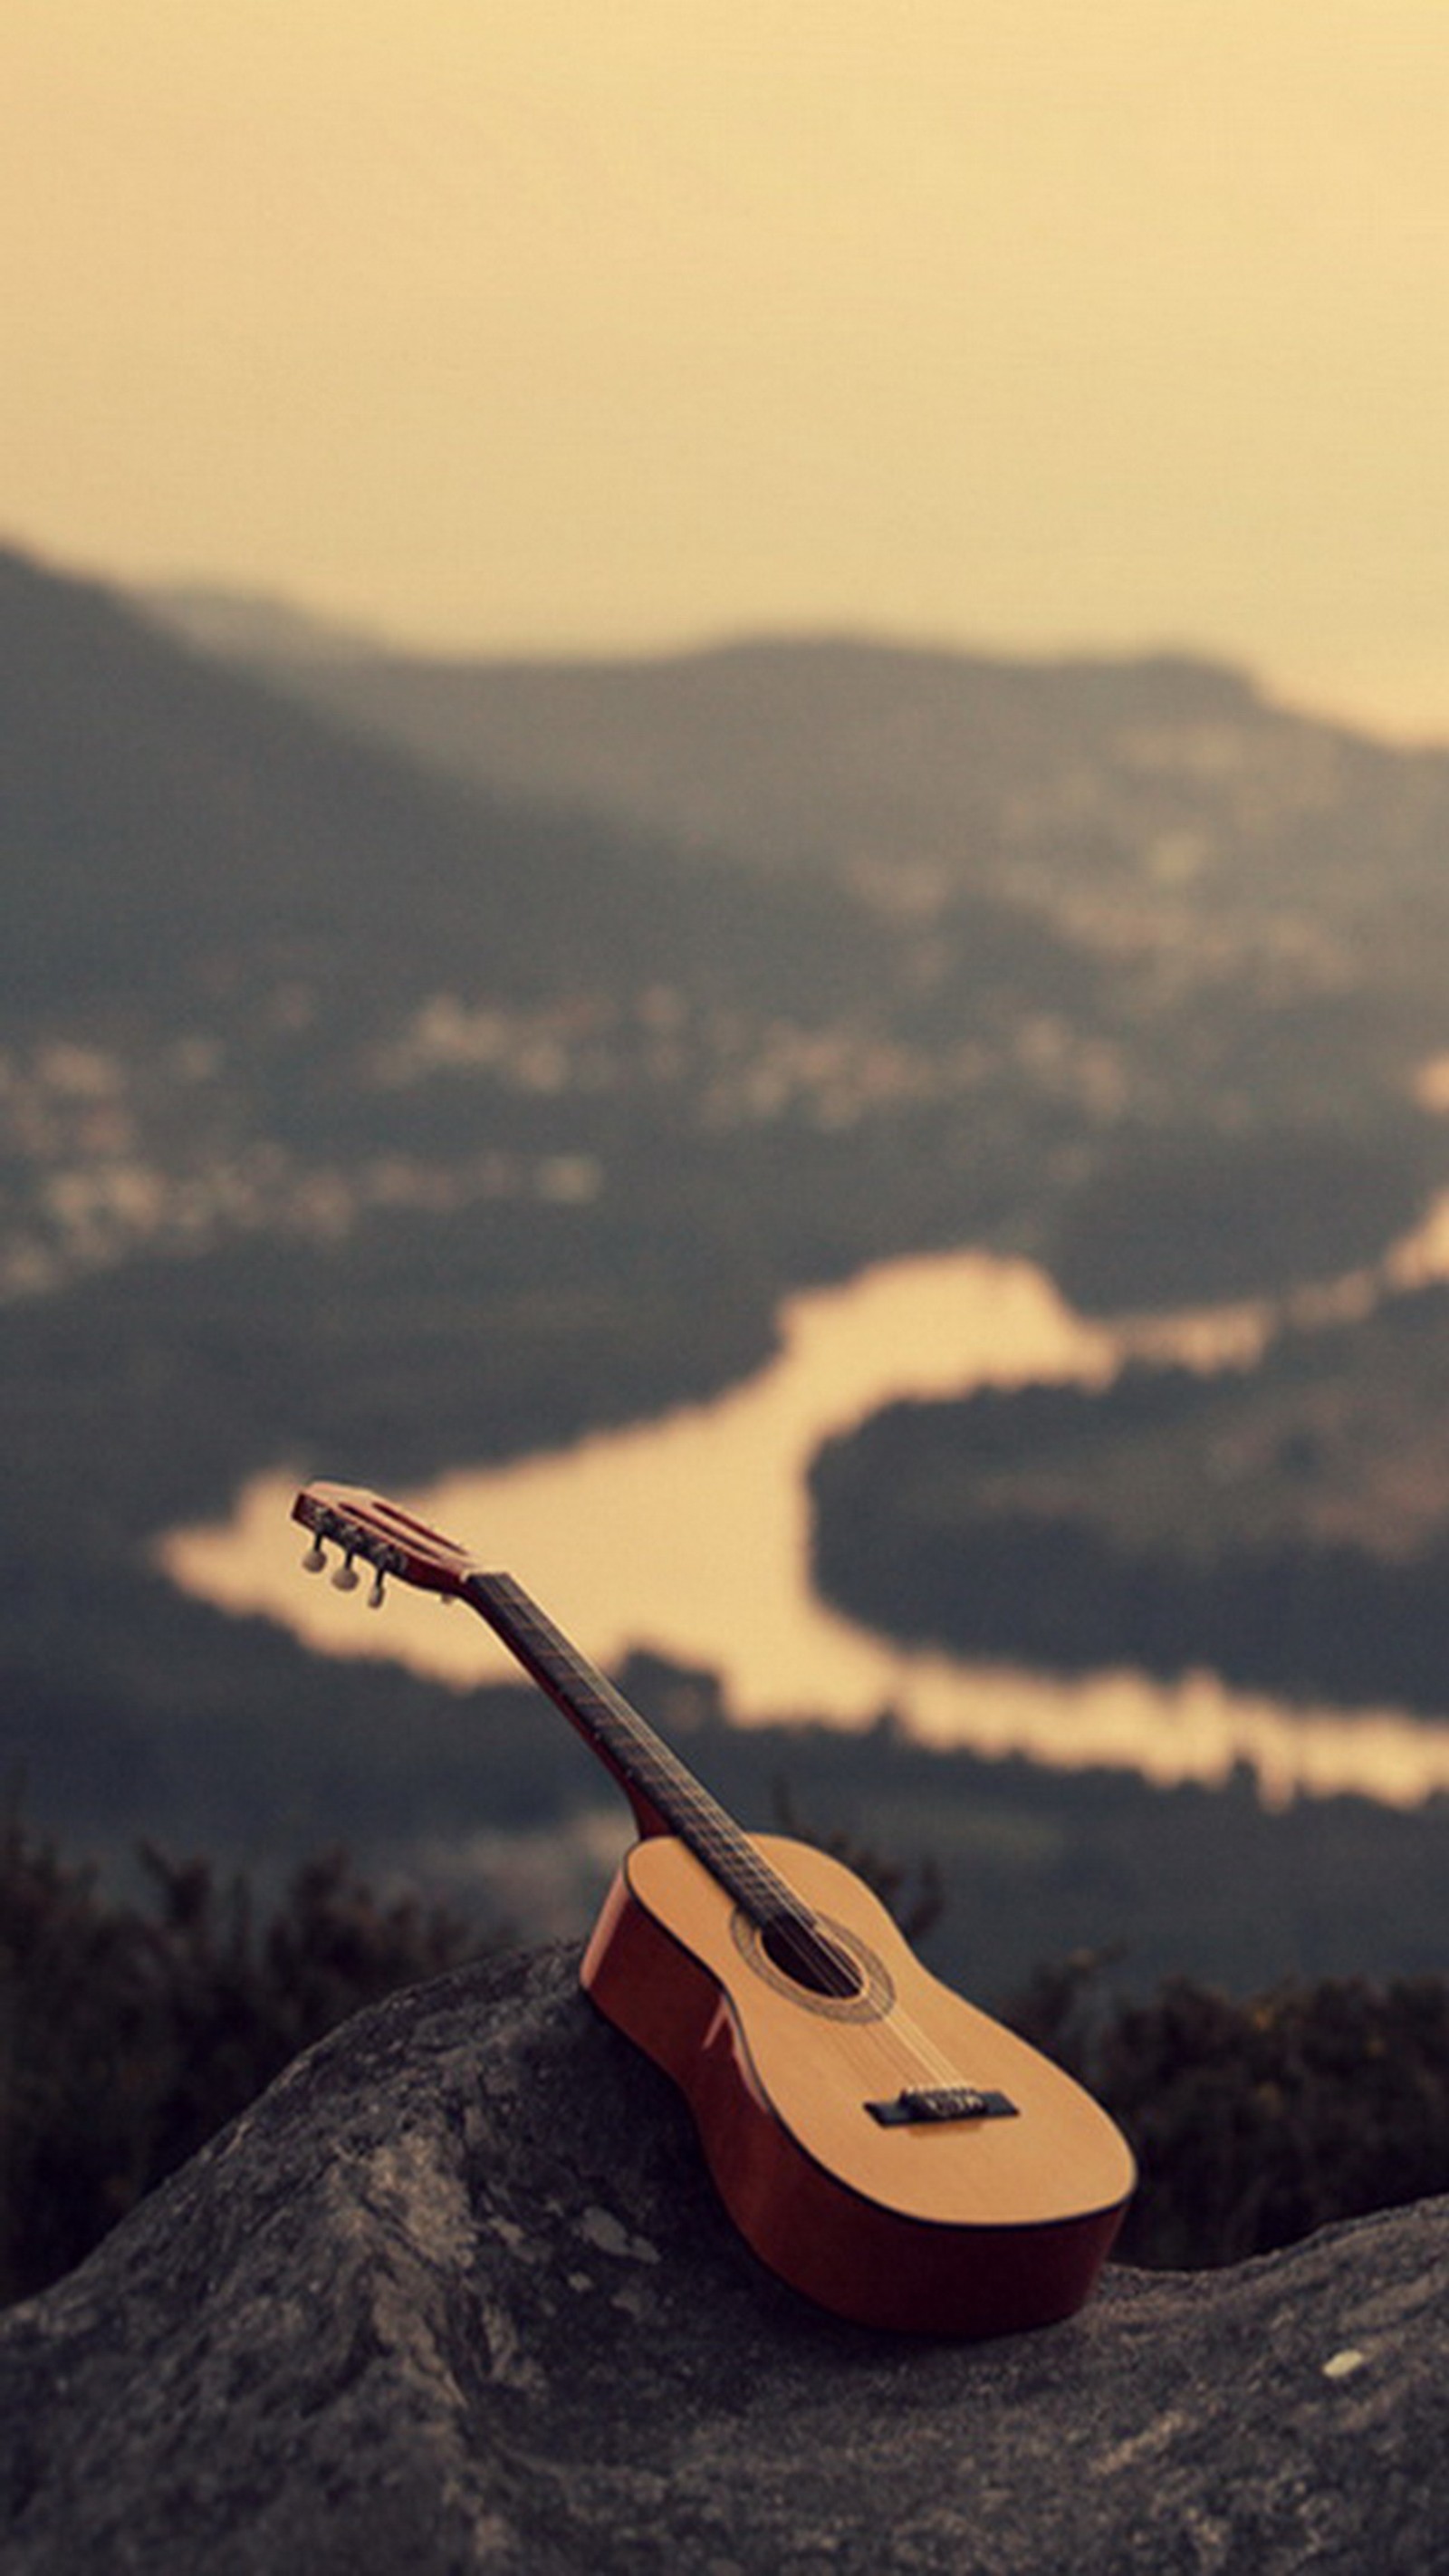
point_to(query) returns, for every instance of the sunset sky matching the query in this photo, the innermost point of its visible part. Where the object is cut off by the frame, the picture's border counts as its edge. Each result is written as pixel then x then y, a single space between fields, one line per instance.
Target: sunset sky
pixel 613 324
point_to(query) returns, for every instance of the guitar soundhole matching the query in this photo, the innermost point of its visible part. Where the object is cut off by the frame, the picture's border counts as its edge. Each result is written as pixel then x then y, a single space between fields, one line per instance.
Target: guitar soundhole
pixel 809 1958
pixel 818 1964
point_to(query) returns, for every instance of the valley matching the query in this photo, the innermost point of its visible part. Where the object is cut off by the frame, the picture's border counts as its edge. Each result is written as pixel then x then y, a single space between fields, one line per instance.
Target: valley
pixel 366 1105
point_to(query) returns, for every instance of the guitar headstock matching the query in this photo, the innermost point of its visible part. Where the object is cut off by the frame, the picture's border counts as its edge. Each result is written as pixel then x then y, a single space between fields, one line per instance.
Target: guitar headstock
pixel 388 1539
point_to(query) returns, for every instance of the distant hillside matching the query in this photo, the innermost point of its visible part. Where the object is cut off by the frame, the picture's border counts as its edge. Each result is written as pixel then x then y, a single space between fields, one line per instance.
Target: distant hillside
pixel 399 997
pixel 251 626
pixel 1135 884
pixel 1287 1525
pixel 1067 780
pixel 167 818
pixel 1066 940
pixel 815 750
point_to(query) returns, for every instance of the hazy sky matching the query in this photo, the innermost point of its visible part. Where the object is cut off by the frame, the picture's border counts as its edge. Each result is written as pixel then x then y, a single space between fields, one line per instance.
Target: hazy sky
pixel 609 323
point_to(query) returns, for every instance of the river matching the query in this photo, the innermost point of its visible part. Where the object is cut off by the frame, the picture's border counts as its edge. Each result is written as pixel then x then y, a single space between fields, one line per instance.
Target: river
pixel 689 1535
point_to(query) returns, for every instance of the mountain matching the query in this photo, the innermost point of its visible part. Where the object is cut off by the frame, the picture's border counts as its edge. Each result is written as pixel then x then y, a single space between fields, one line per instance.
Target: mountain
pixel 1166 774
pixel 1135 882
pixel 1063 938
pixel 168 820
pixel 817 751
pixel 251 626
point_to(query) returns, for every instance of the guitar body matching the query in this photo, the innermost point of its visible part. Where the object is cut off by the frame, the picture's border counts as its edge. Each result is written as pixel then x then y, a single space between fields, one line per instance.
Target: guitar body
pixel 957 2226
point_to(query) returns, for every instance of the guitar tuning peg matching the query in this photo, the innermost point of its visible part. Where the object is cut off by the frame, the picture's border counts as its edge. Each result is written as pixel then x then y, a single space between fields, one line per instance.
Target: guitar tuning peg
pixel 346 1578
pixel 379 1588
pixel 315 1560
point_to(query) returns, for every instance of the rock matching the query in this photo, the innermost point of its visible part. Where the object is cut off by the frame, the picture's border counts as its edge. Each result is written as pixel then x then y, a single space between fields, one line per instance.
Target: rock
pixel 456 2294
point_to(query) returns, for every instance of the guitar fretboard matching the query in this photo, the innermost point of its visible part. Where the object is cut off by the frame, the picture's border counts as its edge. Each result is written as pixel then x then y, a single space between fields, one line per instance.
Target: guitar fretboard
pixel 606 1720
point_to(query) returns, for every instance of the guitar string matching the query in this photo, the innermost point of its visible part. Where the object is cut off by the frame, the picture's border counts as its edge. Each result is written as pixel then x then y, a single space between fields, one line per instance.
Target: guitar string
pixel 897 2040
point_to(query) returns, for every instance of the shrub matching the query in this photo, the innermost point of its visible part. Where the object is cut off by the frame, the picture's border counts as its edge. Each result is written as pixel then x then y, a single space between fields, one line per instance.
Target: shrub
pixel 1255 2122
pixel 129 2035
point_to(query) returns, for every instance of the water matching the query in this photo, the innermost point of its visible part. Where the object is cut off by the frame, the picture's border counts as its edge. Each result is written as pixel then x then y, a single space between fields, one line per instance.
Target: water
pixel 689 1535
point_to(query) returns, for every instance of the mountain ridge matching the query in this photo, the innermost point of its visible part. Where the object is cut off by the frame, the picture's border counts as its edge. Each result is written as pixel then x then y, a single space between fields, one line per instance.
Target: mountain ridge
pixel 668 737
pixel 153 796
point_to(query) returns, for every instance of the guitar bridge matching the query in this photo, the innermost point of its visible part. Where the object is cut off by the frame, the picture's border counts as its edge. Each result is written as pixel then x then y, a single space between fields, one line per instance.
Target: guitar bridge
pixel 918 2107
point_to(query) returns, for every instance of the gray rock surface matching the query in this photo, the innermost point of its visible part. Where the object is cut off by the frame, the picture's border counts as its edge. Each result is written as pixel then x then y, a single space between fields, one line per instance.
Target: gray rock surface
pixel 456 2295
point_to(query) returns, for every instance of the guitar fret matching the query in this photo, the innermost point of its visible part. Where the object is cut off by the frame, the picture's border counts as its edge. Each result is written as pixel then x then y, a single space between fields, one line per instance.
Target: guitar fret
pixel 607 1719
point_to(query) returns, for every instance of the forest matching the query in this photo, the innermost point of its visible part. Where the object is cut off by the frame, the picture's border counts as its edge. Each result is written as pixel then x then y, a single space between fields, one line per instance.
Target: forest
pixel 1287 1525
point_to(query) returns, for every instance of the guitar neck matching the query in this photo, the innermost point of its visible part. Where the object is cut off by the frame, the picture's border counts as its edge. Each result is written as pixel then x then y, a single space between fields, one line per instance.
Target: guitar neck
pixel 663 1791
pixel 665 1797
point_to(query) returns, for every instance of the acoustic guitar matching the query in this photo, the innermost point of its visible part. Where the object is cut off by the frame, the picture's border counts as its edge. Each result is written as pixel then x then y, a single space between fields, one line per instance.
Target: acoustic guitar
pixel 881 2145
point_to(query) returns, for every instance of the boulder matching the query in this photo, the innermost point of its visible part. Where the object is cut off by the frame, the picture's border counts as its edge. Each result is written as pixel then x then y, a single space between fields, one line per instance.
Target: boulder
pixel 456 2294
